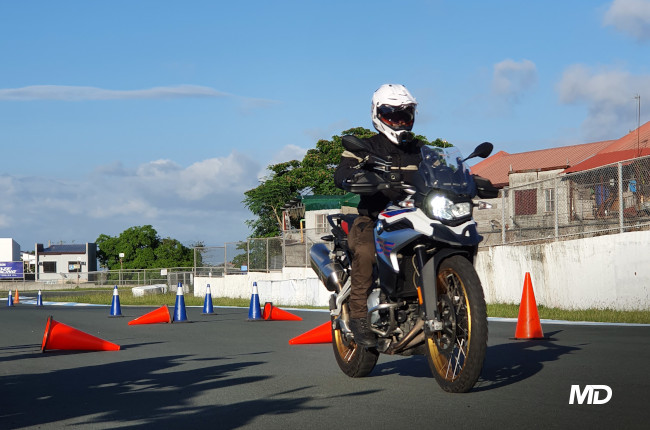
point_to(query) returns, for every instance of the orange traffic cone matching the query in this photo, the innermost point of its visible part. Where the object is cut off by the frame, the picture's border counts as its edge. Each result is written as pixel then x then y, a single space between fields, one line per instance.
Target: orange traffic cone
pixel 272 313
pixel 60 336
pixel 17 299
pixel 528 323
pixel 320 334
pixel 160 315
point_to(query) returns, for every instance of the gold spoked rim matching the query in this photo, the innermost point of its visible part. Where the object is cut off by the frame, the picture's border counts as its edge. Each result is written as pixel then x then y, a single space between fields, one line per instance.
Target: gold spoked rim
pixel 448 348
pixel 346 352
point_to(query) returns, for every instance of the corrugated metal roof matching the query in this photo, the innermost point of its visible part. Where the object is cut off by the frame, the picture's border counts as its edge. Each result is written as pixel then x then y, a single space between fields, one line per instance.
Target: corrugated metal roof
pixel 318 202
pixel 632 140
pixel 497 167
pixel 605 158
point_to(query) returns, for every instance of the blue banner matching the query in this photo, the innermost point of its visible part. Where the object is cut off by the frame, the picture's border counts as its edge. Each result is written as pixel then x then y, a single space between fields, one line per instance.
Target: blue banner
pixel 11 269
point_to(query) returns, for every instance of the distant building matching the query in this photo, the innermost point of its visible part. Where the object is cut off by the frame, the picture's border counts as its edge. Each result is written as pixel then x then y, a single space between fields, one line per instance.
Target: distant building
pixel 65 262
pixel 29 260
pixel 11 267
pixel 312 211
pixel 9 250
pixel 510 170
pixel 597 185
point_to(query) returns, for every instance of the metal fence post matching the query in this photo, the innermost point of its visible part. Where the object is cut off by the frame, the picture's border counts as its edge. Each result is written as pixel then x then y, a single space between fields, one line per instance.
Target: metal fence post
pixel 557 214
pixel 284 249
pixel 503 215
pixel 620 197
pixel 225 272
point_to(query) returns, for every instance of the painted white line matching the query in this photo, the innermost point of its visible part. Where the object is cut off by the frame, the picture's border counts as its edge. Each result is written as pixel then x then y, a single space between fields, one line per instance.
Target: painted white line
pixel 543 321
pixel 29 301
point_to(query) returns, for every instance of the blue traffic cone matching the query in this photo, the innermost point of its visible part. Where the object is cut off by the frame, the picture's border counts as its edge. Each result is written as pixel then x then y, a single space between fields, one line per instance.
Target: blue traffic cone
pixel 207 303
pixel 254 310
pixel 39 299
pixel 10 300
pixel 116 310
pixel 179 307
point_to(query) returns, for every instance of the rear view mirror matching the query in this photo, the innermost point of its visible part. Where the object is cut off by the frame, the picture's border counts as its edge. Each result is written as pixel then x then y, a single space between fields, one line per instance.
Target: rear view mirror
pixel 483 151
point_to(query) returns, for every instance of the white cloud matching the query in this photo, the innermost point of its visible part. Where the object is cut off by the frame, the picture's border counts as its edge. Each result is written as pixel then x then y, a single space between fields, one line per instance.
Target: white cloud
pixel 5 221
pixel 609 96
pixel 201 201
pixel 287 153
pixel 631 17
pixel 512 79
pixel 74 93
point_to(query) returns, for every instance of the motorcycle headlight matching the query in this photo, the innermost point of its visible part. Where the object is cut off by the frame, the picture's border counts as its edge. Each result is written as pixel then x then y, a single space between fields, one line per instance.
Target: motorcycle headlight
pixel 442 208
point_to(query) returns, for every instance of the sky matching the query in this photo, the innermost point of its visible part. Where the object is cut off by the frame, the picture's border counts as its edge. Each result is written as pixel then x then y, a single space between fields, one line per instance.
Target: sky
pixel 120 113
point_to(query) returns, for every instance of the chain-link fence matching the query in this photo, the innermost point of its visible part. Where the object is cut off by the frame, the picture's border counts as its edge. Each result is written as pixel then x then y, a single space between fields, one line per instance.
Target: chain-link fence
pixel 126 277
pixel 253 255
pixel 609 199
pixel 257 255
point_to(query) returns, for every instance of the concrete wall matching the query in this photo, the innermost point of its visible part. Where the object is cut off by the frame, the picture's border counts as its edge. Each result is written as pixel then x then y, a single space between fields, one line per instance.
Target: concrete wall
pixel 610 271
pixel 293 286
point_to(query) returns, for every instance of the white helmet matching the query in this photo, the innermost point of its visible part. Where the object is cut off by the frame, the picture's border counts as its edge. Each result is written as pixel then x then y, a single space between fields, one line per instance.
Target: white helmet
pixel 393 111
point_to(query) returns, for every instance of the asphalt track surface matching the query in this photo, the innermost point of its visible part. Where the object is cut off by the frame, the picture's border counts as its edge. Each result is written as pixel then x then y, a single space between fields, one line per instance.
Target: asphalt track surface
pixel 221 371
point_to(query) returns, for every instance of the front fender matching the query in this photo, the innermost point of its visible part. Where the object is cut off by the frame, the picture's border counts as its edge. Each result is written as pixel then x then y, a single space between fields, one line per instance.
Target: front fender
pixel 429 279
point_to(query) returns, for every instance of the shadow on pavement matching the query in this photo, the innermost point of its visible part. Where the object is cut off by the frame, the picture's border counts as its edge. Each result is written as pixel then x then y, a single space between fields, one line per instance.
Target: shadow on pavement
pixel 511 362
pixel 138 394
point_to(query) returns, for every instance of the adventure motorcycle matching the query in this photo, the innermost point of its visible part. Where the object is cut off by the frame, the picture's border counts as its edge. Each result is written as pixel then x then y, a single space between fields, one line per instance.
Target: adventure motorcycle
pixel 427 298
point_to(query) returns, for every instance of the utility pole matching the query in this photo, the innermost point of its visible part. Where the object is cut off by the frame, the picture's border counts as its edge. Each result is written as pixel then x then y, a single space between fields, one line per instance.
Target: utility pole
pixel 638 124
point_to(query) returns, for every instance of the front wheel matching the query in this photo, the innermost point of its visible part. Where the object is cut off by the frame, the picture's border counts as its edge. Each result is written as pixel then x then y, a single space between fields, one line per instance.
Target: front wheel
pixel 354 360
pixel 456 353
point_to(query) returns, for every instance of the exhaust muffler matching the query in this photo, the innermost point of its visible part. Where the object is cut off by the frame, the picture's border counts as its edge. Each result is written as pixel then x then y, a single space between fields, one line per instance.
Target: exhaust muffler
pixel 330 273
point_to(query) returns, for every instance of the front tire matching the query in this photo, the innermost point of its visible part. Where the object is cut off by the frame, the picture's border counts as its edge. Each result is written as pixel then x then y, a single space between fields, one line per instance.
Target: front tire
pixel 354 360
pixel 456 353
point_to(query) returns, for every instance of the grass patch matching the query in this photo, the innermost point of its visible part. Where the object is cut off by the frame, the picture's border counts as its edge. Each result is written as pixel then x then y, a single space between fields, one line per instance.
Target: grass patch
pixel 127 299
pixel 502 310
pixel 105 297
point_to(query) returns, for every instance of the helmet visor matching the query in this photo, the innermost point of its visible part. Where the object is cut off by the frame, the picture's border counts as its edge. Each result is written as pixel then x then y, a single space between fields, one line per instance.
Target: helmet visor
pixel 397 117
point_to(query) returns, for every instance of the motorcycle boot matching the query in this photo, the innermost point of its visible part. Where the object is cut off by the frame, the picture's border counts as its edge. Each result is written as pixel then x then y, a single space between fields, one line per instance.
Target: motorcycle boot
pixel 362 334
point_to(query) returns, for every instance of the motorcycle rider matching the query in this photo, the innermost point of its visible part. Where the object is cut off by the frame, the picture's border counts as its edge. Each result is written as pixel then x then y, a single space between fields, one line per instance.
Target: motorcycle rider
pixel 393 113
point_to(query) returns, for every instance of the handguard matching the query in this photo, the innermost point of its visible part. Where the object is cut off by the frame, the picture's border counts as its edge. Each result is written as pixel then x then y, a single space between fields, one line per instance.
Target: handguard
pixel 485 189
pixel 365 183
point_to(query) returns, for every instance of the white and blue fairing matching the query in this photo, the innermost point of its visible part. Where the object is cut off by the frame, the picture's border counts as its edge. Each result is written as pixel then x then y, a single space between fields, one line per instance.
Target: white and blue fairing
pixel 441 170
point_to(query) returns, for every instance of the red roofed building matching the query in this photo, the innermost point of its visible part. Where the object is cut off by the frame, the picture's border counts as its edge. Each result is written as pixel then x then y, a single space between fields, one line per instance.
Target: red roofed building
pixel 566 159
pixel 570 190
pixel 501 165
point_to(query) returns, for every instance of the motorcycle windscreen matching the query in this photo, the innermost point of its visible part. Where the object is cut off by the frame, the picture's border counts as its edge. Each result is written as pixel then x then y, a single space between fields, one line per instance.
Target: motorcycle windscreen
pixel 444 169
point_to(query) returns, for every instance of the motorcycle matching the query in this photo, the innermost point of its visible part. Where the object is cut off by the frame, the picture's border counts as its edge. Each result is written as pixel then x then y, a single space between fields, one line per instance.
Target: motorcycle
pixel 427 298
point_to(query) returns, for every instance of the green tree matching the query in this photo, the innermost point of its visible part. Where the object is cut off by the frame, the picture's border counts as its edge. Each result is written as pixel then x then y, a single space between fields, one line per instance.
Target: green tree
pixel 289 179
pixel 172 253
pixel 143 249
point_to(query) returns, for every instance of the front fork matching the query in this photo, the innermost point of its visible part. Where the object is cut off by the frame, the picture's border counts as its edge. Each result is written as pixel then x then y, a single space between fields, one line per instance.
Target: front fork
pixel 427 290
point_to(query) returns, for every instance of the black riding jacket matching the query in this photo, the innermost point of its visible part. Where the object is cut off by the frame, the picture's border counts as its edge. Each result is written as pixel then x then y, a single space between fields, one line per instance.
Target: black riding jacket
pixel 405 160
